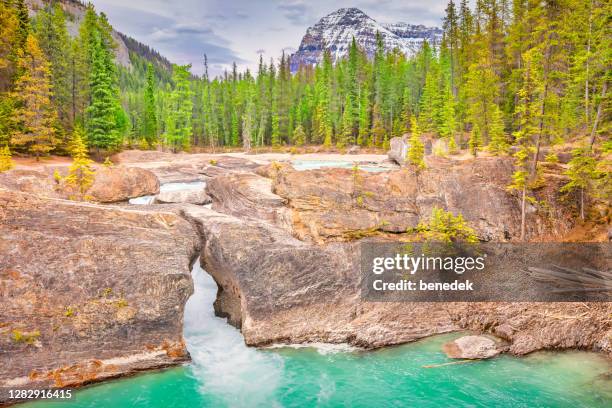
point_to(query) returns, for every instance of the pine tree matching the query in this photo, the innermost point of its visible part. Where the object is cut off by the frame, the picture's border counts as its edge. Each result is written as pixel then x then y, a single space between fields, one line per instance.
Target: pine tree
pixel 23 24
pixel 499 142
pixel 150 108
pixel 452 145
pixel 416 150
pixel 248 124
pixel 378 129
pixel 34 115
pixel 52 34
pixel 179 127
pixel 364 118
pixel 101 119
pixel 8 39
pixel 346 135
pixel 80 174
pixel 6 163
pixel 299 136
pixel 475 141
pixel 581 173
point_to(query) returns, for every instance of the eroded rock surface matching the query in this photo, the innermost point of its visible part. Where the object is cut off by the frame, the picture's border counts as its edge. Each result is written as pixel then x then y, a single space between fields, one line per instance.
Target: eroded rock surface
pixel 247 195
pixel 89 291
pixel 342 204
pixel 111 184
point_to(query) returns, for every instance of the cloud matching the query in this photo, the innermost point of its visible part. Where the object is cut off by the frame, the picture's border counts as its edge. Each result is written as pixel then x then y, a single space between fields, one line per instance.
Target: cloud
pixel 296 11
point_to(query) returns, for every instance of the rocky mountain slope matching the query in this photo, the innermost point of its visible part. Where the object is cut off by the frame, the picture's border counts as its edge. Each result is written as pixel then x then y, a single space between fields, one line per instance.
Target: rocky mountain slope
pixel 335 33
pixel 75 10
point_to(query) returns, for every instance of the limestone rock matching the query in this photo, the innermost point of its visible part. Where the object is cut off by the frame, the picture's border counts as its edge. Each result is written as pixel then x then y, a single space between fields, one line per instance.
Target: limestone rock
pixel 341 204
pixel 114 184
pixel 93 283
pixel 398 149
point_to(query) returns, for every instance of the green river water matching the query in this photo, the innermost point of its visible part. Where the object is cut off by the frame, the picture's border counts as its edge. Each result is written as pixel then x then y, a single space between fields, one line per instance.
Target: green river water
pixel 226 373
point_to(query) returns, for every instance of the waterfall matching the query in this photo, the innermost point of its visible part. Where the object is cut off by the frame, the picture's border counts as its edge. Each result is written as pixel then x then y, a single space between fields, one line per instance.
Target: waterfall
pixel 225 367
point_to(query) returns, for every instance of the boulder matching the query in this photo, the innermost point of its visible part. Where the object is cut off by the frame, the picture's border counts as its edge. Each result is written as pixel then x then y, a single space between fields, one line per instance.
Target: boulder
pixel 472 347
pixel 198 197
pixel 398 149
pixel 114 184
pixel 88 291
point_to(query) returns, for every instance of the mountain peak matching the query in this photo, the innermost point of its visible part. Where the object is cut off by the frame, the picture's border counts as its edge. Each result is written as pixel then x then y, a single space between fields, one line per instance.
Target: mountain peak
pixel 335 31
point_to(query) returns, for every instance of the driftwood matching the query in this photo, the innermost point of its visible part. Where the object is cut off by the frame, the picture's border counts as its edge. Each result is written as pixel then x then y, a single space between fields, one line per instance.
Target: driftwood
pixel 571 280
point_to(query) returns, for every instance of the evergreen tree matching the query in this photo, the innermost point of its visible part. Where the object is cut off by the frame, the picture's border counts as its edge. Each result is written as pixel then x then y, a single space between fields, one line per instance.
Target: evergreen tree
pixel 581 173
pixel 475 141
pixel 80 174
pixel 346 135
pixel 499 142
pixel 101 114
pixel 416 150
pixel 150 108
pixel 8 40
pixel 34 115
pixel 52 34
pixel 6 163
pixel 299 136
pixel 364 118
pixel 179 126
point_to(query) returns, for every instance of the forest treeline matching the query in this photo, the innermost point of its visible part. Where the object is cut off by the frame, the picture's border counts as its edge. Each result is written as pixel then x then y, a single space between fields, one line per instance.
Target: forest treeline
pixel 505 72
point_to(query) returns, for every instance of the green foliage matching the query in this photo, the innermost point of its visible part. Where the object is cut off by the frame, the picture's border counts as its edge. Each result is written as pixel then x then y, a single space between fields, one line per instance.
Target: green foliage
pixel 581 173
pixel 80 174
pixel 149 131
pixel 179 126
pixel 104 114
pixel 416 149
pixel 299 136
pixel 34 114
pixel 475 141
pixel 452 145
pixel 6 163
pixel 19 336
pixel 552 158
pixel 444 226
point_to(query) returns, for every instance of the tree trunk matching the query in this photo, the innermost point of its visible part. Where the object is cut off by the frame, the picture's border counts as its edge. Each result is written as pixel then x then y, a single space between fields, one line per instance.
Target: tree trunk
pixel 582 204
pixel 534 165
pixel 523 202
pixel 598 115
pixel 588 57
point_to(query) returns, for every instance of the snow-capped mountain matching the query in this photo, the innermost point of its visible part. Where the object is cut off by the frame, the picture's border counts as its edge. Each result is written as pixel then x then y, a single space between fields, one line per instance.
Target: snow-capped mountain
pixel 336 31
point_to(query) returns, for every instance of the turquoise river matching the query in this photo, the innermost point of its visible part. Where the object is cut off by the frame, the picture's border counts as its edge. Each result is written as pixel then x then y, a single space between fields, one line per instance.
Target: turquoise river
pixel 226 373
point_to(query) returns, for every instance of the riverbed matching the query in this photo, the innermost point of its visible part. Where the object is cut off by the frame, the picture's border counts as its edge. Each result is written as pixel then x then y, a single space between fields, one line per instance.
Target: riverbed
pixel 226 373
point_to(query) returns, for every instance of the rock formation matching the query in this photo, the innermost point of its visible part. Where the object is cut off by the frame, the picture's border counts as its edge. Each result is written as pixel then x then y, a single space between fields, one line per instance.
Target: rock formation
pixel 89 292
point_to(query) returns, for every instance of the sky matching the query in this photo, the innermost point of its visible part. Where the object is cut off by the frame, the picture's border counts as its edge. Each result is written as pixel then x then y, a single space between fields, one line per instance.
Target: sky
pixel 241 30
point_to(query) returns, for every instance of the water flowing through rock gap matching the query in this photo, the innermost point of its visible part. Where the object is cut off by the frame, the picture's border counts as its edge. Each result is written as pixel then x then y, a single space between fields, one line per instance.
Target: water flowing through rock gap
pixel 226 373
